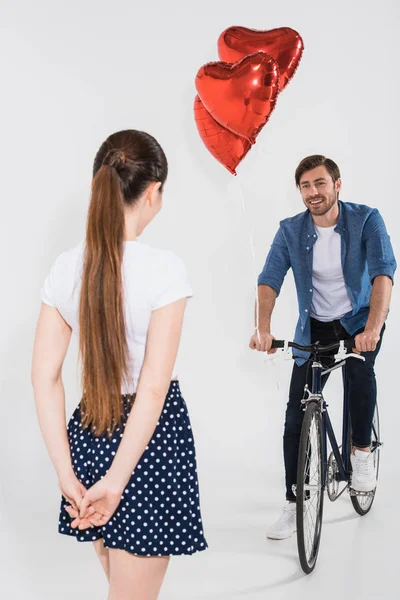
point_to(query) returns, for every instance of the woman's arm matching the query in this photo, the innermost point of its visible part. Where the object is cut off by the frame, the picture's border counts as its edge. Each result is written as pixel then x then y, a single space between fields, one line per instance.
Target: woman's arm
pixel 162 345
pixel 52 339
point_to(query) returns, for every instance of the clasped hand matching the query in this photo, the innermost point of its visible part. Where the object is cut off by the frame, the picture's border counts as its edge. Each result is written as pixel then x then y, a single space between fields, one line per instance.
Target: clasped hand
pixel 91 507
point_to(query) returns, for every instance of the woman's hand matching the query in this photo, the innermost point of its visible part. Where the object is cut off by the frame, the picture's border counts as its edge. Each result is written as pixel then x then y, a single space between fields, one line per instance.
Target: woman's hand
pixel 72 489
pixel 98 505
pixel 84 523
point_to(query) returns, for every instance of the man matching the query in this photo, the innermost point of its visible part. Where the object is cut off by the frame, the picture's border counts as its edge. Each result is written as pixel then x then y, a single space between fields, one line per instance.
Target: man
pixel 343 265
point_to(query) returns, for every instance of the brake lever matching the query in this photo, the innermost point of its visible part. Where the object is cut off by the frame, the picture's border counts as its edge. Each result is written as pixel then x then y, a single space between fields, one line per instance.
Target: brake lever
pixel 342 353
pixel 285 352
pixel 353 355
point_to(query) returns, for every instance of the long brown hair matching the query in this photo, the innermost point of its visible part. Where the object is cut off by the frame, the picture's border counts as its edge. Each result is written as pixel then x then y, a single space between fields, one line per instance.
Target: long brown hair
pixel 125 164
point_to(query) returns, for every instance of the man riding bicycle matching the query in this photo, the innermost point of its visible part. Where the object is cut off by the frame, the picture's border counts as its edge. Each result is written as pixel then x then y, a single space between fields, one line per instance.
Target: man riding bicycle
pixel 343 266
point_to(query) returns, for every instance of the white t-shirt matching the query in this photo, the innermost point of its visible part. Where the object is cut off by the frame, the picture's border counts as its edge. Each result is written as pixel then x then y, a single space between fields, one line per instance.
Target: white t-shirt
pixel 151 277
pixel 330 298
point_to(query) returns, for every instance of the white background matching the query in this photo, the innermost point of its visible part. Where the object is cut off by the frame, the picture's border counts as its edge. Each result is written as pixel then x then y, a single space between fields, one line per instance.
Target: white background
pixel 74 72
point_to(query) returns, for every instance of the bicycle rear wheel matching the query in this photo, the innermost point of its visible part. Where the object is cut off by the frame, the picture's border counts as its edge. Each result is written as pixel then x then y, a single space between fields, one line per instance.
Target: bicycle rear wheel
pixel 363 503
pixel 310 488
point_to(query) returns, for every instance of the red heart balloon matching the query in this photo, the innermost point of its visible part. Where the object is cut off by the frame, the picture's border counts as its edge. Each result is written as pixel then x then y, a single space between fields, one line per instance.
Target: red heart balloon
pixel 241 96
pixel 227 147
pixel 285 45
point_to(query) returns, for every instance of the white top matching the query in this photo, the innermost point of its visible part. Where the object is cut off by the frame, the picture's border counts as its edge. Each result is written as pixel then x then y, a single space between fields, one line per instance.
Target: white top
pixel 330 299
pixel 152 278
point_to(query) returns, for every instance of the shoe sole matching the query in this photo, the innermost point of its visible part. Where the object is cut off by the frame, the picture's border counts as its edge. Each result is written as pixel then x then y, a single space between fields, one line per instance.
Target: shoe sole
pixel 361 489
pixel 270 537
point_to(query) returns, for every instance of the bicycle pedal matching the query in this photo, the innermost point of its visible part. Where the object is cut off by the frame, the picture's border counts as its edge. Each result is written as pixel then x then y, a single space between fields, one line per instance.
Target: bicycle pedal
pixel 362 494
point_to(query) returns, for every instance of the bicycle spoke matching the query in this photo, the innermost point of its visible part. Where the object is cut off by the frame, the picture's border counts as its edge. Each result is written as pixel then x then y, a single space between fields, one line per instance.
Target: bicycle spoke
pixel 312 489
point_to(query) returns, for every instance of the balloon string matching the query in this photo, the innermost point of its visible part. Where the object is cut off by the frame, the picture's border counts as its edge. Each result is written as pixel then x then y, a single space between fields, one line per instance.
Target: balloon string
pixel 253 252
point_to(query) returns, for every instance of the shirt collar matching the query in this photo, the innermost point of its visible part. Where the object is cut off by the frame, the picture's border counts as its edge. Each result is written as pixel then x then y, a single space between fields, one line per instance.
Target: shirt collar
pixel 340 225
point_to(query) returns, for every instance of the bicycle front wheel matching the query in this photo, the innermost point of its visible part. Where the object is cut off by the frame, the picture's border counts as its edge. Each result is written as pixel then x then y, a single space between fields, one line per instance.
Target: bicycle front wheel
pixel 310 488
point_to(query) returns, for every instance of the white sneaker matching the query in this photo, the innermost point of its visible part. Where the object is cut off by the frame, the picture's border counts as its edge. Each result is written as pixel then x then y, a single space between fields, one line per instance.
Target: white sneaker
pixel 285 526
pixel 363 478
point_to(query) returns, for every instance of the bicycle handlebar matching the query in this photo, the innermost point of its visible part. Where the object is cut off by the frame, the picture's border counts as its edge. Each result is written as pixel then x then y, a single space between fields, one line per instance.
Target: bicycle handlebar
pixel 348 344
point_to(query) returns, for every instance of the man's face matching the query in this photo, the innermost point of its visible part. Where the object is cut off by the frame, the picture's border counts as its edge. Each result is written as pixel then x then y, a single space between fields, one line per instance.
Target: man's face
pixel 318 191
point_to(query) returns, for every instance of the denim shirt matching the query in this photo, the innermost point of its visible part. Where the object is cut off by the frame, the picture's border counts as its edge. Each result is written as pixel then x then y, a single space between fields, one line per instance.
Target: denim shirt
pixel 366 252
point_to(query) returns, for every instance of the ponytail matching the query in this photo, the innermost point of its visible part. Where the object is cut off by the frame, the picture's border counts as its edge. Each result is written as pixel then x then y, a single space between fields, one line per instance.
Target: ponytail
pixel 124 166
pixel 103 346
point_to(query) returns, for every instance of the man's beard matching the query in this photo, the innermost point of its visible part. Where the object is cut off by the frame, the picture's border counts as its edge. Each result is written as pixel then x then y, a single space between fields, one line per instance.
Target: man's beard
pixel 323 207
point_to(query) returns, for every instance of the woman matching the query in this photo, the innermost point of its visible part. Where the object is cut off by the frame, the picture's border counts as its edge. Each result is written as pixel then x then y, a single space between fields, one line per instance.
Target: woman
pixel 126 463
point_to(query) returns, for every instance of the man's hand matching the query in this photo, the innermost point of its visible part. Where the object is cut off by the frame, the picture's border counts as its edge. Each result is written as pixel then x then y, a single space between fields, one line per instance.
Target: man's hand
pixel 367 341
pixel 262 342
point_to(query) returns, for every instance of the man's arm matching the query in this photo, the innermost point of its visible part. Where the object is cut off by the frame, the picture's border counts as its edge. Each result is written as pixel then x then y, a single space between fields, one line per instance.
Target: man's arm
pixel 378 310
pixel 379 251
pixel 266 303
pixel 262 339
pixel 269 285
pixel 380 302
pixel 381 268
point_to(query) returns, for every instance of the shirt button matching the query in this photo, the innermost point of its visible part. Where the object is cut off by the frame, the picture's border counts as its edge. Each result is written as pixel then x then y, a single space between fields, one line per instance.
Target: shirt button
pixel 314 235
pixel 308 247
pixel 306 309
pixel 310 289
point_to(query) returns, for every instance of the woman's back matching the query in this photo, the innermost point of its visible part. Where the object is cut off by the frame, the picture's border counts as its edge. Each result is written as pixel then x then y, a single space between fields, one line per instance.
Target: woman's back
pixel 126 459
pixel 152 278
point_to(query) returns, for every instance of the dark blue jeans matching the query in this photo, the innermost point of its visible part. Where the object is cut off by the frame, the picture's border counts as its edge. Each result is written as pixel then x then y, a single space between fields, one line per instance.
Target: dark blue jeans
pixel 361 382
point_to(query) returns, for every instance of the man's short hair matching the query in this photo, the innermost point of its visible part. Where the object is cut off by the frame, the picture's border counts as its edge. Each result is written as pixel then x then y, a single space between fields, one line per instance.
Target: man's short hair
pixel 317 160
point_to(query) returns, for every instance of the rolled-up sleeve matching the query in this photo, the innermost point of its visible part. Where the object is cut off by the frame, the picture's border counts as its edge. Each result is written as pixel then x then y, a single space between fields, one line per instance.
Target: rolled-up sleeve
pixel 277 263
pixel 380 255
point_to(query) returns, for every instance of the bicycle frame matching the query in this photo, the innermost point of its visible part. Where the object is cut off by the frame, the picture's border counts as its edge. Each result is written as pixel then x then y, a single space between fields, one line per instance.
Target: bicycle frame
pixel 342 459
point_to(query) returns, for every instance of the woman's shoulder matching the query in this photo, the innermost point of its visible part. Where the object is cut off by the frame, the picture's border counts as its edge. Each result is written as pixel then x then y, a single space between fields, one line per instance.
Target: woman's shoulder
pixel 73 253
pixel 163 261
pixel 158 256
pixel 162 258
pixel 68 259
pixel 64 270
pixel 169 279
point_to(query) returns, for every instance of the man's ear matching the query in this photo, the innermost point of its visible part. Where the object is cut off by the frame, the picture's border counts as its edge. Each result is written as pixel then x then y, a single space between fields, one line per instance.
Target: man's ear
pixel 338 184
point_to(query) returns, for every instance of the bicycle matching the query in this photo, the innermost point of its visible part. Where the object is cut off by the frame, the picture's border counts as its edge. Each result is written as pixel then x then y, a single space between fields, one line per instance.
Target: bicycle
pixel 315 471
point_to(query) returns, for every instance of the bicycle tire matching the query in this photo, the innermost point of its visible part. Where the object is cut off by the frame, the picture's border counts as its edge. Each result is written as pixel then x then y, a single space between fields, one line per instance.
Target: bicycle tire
pixel 310 452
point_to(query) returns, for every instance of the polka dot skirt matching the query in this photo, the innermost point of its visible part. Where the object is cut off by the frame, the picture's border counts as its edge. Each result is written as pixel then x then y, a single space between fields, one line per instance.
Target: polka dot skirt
pixel 159 513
